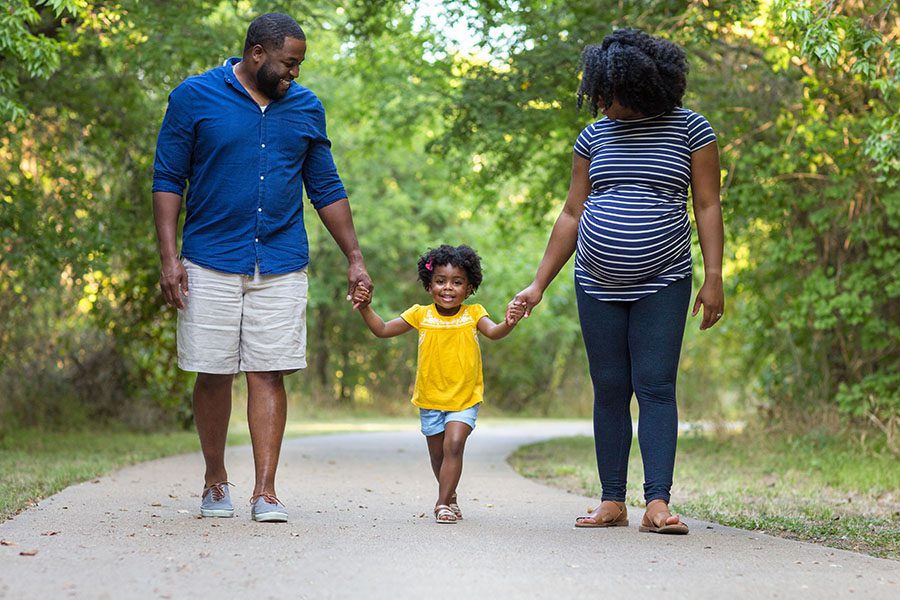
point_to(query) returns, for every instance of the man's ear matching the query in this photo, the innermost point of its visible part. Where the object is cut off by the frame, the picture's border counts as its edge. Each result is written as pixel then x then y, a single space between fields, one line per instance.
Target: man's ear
pixel 258 53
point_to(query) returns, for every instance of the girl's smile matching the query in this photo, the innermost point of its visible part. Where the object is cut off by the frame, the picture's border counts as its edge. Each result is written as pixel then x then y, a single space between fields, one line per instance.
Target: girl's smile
pixel 449 288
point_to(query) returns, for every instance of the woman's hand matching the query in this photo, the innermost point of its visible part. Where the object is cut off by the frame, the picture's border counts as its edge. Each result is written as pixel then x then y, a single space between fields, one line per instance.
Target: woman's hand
pixel 529 298
pixel 712 297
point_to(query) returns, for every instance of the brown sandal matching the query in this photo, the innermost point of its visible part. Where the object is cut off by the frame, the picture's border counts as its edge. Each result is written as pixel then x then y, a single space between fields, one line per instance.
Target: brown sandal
pixel 657 522
pixel 608 514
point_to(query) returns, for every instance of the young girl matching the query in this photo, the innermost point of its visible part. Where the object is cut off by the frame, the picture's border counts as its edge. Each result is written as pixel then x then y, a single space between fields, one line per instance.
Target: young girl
pixel 449 383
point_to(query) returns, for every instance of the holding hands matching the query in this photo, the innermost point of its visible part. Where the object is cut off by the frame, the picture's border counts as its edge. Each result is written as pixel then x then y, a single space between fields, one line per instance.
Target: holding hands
pixel 521 305
pixel 360 296
pixel 514 312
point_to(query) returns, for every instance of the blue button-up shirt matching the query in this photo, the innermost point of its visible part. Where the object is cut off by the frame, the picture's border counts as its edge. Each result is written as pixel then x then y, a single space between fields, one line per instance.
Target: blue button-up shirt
pixel 244 204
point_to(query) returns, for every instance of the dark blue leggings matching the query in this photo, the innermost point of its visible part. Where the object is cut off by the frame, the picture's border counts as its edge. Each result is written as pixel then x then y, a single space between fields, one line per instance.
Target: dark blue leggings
pixel 633 347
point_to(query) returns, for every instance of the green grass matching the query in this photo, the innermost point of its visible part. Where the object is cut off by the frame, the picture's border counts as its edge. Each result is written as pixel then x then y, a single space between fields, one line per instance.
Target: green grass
pixel 818 487
pixel 36 464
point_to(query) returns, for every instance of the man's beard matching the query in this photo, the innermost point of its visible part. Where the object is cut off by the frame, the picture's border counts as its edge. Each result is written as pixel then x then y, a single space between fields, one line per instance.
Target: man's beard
pixel 268 82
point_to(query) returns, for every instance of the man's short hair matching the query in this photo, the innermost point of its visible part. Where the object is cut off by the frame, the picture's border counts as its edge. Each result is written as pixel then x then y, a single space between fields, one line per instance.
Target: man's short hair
pixel 270 29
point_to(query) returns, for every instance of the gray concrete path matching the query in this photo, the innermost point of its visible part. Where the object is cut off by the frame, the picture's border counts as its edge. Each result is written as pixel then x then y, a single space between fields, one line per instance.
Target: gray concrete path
pixel 361 527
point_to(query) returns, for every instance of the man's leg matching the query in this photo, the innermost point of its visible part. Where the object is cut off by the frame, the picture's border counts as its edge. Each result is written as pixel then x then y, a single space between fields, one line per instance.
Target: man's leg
pixel 212 410
pixel 266 416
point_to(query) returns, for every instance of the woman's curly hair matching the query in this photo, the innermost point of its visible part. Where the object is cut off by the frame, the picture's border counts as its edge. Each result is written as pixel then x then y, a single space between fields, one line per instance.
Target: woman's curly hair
pixel 644 73
pixel 458 256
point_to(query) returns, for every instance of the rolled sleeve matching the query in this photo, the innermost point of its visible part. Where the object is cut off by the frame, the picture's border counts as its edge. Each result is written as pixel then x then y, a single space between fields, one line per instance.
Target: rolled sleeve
pixel 320 177
pixel 171 166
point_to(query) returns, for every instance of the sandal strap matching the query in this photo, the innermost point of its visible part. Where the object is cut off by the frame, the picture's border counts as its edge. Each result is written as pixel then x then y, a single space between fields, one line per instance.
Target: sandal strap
pixel 654 519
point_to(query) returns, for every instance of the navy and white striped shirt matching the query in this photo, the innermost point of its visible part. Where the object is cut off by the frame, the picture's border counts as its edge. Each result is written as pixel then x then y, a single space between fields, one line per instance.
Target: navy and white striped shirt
pixel 634 237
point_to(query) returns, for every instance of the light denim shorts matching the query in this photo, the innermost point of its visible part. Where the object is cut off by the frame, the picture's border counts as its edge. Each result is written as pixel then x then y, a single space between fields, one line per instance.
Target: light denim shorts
pixel 232 323
pixel 435 421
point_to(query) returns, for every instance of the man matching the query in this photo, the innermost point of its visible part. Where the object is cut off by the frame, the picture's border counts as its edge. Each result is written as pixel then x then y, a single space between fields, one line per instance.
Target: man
pixel 245 136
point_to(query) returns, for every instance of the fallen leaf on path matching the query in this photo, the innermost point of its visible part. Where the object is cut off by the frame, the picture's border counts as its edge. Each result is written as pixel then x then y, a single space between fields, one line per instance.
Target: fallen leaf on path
pixel 28 553
pixel 156 504
pixel 50 533
pixel 7 543
pixel 95 481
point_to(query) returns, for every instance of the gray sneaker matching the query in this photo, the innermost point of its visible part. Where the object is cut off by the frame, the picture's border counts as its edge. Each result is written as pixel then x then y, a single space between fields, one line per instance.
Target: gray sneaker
pixel 268 509
pixel 216 501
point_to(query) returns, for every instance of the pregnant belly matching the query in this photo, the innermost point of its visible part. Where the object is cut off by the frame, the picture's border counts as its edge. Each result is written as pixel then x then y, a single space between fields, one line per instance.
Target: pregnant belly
pixel 618 249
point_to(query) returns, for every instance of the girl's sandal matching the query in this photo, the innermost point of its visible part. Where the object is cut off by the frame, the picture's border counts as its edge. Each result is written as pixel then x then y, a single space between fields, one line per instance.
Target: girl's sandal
pixel 654 521
pixel 608 514
pixel 444 514
pixel 455 508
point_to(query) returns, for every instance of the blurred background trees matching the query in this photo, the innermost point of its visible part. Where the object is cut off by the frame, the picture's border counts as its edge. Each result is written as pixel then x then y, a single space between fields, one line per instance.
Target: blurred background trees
pixel 453 122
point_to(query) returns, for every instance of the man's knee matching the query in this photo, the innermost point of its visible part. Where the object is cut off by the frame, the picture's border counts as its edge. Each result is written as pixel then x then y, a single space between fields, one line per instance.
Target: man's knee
pixel 267 377
pixel 212 380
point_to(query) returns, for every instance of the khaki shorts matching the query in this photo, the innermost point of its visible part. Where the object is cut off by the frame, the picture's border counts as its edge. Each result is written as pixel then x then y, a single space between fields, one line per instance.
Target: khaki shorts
pixel 232 323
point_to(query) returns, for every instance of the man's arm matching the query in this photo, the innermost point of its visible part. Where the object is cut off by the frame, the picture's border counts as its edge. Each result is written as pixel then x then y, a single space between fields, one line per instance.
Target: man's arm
pixel 171 168
pixel 173 279
pixel 339 222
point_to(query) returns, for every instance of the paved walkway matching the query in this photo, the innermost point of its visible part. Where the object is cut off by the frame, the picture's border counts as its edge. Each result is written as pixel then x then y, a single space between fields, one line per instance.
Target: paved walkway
pixel 361 527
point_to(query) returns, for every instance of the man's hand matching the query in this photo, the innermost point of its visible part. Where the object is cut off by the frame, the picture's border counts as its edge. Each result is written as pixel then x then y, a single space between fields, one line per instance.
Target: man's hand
pixel 173 281
pixel 361 296
pixel 358 277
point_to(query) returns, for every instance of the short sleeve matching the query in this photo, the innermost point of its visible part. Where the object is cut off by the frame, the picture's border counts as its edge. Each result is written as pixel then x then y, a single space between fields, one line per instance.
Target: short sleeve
pixel 413 315
pixel 477 311
pixel 700 132
pixel 585 142
pixel 171 167
pixel 320 177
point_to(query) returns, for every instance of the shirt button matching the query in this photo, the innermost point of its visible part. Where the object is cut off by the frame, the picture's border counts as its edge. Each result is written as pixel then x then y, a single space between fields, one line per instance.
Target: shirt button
pixel 263 145
pixel 258 210
pixel 256 240
pixel 261 177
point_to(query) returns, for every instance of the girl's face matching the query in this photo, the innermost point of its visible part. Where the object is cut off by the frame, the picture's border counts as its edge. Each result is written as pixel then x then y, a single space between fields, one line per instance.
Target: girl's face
pixel 449 287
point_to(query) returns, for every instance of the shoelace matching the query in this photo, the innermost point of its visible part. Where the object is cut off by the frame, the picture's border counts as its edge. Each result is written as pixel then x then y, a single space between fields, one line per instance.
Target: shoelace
pixel 217 490
pixel 270 498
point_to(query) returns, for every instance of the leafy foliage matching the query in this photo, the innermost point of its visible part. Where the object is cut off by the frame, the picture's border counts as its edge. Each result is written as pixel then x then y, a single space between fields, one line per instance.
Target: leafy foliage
pixel 438 145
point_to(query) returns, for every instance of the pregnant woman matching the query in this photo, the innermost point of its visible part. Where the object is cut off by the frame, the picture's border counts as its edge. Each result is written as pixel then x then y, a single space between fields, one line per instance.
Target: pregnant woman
pixel 626 220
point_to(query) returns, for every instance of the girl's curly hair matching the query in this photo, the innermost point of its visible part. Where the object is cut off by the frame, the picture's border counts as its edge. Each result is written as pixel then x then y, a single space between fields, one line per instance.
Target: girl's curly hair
pixel 458 256
pixel 644 73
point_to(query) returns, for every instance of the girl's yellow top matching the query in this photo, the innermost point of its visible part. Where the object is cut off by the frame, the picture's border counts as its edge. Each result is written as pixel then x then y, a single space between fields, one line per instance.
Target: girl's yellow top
pixel 448 376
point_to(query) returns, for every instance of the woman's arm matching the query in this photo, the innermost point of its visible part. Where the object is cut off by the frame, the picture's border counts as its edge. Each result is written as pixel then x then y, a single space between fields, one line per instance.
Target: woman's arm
pixel 563 237
pixel 705 179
